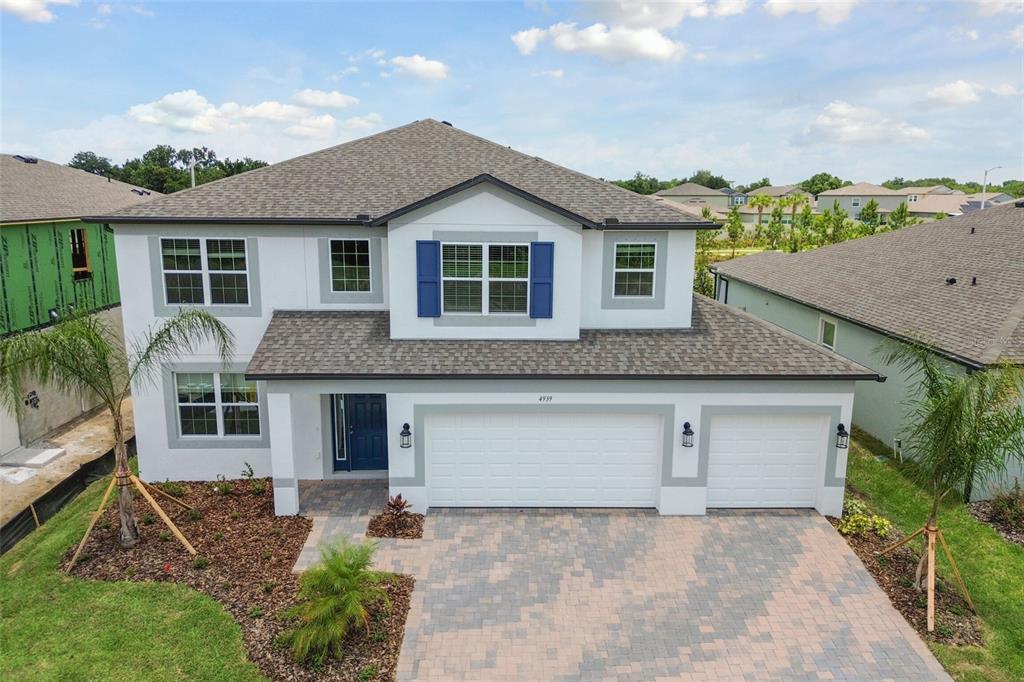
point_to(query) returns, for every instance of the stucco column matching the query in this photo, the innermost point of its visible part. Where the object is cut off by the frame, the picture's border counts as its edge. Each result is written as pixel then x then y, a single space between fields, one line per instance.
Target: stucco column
pixel 282 454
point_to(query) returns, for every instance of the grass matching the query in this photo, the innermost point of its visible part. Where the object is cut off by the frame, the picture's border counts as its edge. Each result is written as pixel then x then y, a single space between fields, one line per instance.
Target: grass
pixel 992 567
pixel 54 627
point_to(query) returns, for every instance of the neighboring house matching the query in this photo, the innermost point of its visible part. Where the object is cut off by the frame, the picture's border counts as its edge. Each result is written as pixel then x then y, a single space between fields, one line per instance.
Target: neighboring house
pixel 692 193
pixel 990 198
pixel 736 198
pixel 778 191
pixel 958 284
pixel 852 198
pixel 50 262
pixel 479 326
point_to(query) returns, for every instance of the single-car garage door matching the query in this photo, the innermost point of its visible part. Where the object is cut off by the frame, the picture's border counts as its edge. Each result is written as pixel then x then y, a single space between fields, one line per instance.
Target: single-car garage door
pixel 766 460
pixel 542 460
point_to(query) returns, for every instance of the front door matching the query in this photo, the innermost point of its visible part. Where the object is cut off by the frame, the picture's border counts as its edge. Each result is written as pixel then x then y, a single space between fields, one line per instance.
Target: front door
pixel 364 432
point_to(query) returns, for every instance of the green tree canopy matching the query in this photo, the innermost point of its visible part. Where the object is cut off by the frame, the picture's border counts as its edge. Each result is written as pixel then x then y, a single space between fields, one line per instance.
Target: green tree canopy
pixel 822 182
pixel 757 184
pixel 708 179
pixel 869 216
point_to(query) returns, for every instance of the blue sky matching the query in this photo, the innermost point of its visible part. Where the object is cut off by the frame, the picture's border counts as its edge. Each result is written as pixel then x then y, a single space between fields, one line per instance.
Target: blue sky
pixel 783 88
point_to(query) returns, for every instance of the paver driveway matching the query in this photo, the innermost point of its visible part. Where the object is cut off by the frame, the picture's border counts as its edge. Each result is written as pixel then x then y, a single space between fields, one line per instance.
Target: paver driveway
pixel 630 595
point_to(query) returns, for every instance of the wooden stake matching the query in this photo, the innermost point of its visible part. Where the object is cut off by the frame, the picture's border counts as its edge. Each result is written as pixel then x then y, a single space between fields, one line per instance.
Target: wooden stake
pixel 95 518
pixel 931 578
pixel 162 515
pixel 35 517
pixel 956 571
pixel 901 542
pixel 172 498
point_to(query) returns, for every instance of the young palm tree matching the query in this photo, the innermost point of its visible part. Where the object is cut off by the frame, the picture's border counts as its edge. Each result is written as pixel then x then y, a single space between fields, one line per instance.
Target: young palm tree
pixel 82 354
pixel 761 202
pixel 962 427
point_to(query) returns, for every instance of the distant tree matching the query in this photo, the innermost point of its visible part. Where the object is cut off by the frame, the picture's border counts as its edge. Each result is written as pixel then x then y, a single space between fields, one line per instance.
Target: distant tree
pixel 734 228
pixel 838 228
pixel 94 163
pixel 774 231
pixel 642 184
pixel 869 216
pixel 899 217
pixel 706 214
pixel 708 179
pixel 757 184
pixel 941 215
pixel 793 202
pixel 821 182
pixel 703 280
pixel 1015 188
pixel 803 228
pixel 760 202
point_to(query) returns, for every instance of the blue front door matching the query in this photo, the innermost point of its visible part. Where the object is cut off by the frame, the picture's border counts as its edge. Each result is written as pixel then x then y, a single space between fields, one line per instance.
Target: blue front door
pixel 366 420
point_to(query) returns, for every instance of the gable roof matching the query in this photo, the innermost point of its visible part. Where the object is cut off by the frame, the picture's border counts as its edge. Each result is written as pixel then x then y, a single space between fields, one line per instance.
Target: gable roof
pixel 690 189
pixel 863 189
pixel 723 343
pixel 44 190
pixel 360 182
pixel 777 191
pixel 920 189
pixel 895 283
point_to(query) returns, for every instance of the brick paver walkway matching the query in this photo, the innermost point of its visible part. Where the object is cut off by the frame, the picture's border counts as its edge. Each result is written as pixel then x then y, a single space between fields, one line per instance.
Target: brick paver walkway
pixel 630 595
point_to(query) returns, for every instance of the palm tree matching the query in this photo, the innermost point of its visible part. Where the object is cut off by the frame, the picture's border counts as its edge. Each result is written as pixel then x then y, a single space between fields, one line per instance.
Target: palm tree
pixel 794 202
pixel 962 428
pixel 82 354
pixel 761 202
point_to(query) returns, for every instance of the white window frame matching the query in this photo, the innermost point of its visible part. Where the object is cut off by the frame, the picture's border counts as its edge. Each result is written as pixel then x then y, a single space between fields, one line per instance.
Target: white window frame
pixel 855 202
pixel 485 278
pixel 822 321
pixel 330 262
pixel 218 406
pixel 204 272
pixel 653 270
pixel 911 198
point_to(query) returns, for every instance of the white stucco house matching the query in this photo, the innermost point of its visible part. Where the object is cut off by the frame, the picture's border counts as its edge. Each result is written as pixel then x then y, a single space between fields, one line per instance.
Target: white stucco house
pixel 480 327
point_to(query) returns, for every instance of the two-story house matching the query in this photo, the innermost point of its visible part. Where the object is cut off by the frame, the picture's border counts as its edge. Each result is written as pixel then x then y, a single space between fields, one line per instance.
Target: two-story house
pixel 479 326
pixel 699 195
pixel 852 198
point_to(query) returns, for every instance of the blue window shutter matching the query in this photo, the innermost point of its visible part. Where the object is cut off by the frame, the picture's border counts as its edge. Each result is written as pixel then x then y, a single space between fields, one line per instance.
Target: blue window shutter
pixel 542 270
pixel 428 278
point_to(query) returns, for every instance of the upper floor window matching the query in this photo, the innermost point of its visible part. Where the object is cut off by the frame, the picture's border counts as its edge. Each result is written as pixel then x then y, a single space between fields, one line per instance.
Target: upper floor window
pixel 201 271
pixel 634 270
pixel 911 198
pixel 855 202
pixel 80 255
pixel 485 279
pixel 350 265
pixel 827 333
pixel 217 404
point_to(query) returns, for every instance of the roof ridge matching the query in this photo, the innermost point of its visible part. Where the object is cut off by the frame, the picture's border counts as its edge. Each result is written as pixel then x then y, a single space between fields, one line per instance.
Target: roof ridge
pixel 1014 319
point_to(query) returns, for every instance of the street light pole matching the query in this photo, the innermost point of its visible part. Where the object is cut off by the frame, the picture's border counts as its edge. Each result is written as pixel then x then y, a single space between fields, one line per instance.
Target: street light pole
pixel 984 185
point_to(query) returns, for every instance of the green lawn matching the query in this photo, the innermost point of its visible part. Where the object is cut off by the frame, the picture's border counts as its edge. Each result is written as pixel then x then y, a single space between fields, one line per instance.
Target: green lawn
pixel 992 567
pixel 53 627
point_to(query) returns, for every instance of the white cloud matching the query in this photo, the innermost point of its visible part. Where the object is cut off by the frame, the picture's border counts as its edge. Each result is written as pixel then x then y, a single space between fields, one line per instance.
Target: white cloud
pixel 659 15
pixel 33 10
pixel 104 8
pixel 617 42
pixel 141 10
pixel 1017 36
pixel 421 67
pixel 829 12
pixel 187 110
pixel 347 71
pixel 362 123
pixel 843 123
pixel 528 40
pixel 728 8
pixel 954 93
pixel 325 100
pixel 1003 90
pixel 990 7
pixel 972 34
pixel 552 73
pixel 313 127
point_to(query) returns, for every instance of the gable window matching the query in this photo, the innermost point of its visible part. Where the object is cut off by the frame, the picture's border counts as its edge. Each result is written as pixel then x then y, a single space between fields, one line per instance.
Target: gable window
pixel 634 270
pixel 485 279
pixel 200 271
pixel 350 265
pixel 911 198
pixel 827 333
pixel 855 202
pixel 217 404
pixel 79 255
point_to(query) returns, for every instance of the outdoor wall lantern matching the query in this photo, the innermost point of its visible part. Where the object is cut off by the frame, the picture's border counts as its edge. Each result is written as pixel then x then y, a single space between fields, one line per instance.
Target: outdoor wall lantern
pixel 842 437
pixel 687 435
pixel 406 436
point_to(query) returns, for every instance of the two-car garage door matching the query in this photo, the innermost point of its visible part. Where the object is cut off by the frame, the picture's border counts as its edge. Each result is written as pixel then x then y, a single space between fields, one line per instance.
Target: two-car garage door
pixel 543 459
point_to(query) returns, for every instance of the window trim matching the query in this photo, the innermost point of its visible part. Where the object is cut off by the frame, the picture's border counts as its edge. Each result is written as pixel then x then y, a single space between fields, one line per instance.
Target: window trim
pixel 653 270
pixel 822 321
pixel 369 264
pixel 218 405
pixel 911 198
pixel 163 309
pixel 205 272
pixel 855 202
pixel 87 270
pixel 485 279
pixel 175 441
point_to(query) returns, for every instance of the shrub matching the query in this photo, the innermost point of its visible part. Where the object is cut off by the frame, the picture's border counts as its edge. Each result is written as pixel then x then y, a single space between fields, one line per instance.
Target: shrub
pixel 268 586
pixel 194 514
pixel 1007 506
pixel 335 598
pixel 854 505
pixel 855 524
pixel 881 525
pixel 172 488
pixel 222 486
pixel 259 486
pixel 165 535
pixel 395 511
pixel 367 674
pixel 200 562
pixel 233 515
pixel 218 536
pixel 247 472
pixel 256 612
pixel 148 518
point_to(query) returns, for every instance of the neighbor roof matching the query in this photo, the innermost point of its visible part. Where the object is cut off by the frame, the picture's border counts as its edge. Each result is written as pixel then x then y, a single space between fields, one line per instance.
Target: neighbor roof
pixel 950 204
pixel 690 189
pixel 44 190
pixel 920 189
pixel 895 282
pixel 375 178
pixel 776 191
pixel 722 343
pixel 865 189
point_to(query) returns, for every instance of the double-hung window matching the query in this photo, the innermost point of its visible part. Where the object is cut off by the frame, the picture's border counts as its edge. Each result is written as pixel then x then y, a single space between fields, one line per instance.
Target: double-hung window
pixel 911 198
pixel 205 271
pixel 485 279
pixel 634 270
pixel 217 404
pixel 855 202
pixel 350 265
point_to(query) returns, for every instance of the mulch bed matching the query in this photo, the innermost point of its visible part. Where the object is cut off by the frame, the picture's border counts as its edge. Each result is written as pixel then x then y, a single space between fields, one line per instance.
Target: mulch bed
pixel 894 573
pixel 982 511
pixel 250 554
pixel 409 527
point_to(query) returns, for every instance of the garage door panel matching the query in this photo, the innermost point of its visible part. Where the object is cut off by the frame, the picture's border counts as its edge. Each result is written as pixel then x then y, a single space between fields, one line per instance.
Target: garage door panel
pixel 538 459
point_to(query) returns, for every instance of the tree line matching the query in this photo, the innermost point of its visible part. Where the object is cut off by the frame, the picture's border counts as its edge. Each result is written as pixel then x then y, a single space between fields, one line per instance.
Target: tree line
pixel 166 169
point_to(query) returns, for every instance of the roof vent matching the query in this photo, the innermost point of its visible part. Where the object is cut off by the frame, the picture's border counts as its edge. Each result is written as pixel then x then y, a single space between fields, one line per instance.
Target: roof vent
pixel 951 280
pixel 363 216
pixel 26 159
pixel 447 123
pixel 1019 203
pixel 972 230
pixel 974 281
pixel 141 192
pixel 611 221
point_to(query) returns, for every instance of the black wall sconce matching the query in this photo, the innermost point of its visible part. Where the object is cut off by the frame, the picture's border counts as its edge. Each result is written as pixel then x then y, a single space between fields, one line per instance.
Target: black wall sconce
pixel 842 437
pixel 406 436
pixel 687 435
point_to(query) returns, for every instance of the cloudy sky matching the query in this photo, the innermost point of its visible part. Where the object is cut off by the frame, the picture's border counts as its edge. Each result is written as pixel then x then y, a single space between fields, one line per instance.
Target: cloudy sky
pixel 866 89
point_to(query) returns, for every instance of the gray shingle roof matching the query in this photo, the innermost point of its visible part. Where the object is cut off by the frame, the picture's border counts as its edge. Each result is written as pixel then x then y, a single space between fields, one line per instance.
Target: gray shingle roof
pixel 864 189
pixel 49 191
pixel 896 282
pixel 688 189
pixel 380 174
pixel 723 343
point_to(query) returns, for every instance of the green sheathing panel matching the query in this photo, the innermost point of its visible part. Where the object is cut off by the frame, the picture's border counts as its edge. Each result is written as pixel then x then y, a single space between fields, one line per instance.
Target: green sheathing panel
pixel 35 271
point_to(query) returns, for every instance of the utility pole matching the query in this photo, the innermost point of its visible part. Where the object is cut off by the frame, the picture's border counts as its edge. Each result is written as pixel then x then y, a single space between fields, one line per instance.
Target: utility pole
pixel 192 172
pixel 984 185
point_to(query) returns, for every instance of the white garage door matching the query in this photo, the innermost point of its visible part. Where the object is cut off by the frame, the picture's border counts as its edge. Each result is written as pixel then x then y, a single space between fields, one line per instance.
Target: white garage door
pixel 543 460
pixel 766 460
